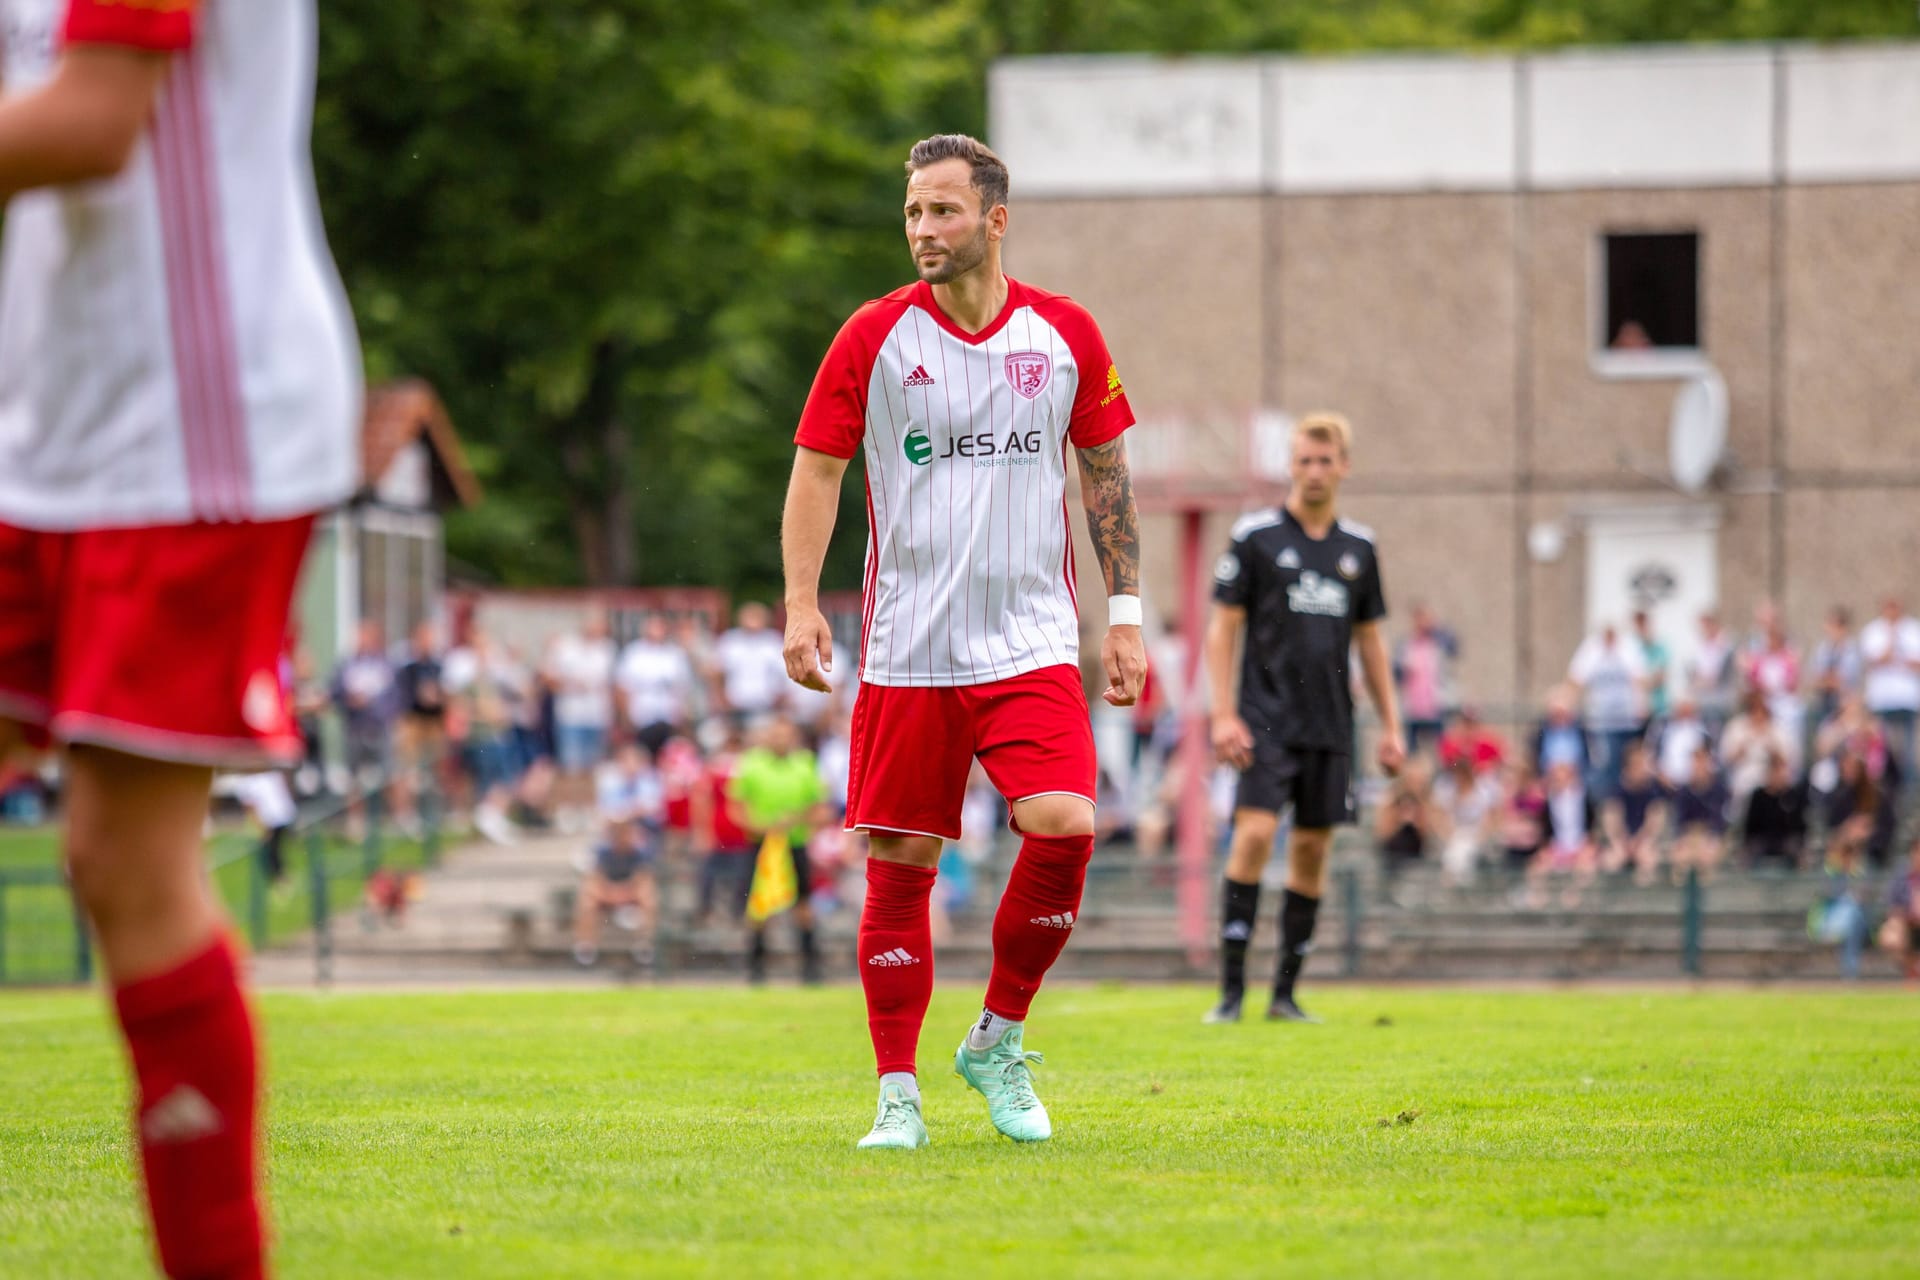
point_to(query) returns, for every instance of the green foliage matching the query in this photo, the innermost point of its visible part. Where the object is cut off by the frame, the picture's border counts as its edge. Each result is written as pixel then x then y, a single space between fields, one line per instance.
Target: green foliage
pixel 709 1132
pixel 618 234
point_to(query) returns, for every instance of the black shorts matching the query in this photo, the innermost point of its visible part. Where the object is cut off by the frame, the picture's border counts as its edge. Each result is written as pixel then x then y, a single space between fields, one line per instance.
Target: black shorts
pixel 1315 783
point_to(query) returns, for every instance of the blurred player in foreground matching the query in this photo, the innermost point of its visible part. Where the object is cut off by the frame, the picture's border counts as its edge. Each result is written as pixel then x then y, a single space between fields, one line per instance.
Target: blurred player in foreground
pixel 1304 585
pixel 179 393
pixel 965 390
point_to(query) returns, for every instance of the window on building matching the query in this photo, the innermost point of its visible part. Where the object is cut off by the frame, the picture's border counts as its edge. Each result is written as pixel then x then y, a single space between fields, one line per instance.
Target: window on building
pixel 1650 304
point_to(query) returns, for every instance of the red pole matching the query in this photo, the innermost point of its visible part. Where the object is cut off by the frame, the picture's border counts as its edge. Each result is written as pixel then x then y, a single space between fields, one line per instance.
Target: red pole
pixel 1195 752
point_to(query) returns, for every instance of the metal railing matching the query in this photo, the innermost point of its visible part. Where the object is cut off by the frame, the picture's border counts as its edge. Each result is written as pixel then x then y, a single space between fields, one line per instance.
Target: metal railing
pixel 45 941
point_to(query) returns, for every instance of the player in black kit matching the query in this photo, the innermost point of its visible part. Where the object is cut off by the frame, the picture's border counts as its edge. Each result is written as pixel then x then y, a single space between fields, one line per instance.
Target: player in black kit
pixel 1305 587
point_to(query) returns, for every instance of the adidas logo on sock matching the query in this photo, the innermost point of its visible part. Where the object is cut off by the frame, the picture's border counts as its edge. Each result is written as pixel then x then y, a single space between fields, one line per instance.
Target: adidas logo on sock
pixel 181 1116
pixel 919 377
pixel 897 956
pixel 1062 921
pixel 1236 931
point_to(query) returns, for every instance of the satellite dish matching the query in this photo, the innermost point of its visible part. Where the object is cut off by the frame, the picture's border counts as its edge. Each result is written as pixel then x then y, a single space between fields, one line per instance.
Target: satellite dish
pixel 1697 438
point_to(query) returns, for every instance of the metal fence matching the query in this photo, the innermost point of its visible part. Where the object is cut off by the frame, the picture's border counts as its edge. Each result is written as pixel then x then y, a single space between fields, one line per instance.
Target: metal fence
pixel 44 939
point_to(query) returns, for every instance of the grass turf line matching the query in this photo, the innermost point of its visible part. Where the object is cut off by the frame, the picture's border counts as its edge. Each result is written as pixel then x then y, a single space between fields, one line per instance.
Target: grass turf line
pixel 709 1132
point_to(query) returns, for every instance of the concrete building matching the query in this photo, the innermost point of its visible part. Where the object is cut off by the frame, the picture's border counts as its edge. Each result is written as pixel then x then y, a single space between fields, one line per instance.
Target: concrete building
pixel 1503 270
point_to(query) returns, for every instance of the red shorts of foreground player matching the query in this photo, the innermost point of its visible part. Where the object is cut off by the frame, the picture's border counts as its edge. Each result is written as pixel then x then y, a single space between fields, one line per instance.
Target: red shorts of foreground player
pixel 160 642
pixel 914 746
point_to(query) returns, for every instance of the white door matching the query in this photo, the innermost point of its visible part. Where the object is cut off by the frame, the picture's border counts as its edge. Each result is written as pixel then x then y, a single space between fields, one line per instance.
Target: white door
pixel 1665 560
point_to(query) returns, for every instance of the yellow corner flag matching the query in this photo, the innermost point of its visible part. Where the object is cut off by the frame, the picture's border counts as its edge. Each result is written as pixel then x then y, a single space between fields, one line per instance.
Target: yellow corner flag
pixel 774 885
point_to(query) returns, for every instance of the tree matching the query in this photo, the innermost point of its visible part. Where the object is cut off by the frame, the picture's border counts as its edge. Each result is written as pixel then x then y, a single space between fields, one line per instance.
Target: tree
pixel 618 234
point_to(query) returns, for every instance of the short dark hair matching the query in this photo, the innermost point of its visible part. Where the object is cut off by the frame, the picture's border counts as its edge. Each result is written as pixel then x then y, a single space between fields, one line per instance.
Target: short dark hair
pixel 989 170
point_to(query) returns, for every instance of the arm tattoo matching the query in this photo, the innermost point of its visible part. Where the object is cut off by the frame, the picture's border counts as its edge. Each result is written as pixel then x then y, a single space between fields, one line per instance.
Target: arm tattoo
pixel 1106 487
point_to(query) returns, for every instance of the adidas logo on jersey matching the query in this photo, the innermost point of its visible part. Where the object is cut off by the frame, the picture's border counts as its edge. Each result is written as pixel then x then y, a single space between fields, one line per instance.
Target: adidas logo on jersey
pixel 919 377
pixel 1064 920
pixel 895 957
pixel 181 1116
pixel 1289 559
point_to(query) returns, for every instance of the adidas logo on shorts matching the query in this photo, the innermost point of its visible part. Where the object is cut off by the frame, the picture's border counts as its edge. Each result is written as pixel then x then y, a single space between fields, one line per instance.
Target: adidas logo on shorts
pixel 1061 921
pixel 897 956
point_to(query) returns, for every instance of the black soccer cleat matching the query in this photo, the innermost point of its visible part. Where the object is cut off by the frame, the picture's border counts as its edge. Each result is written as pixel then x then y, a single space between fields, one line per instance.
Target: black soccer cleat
pixel 1228 1010
pixel 1283 1009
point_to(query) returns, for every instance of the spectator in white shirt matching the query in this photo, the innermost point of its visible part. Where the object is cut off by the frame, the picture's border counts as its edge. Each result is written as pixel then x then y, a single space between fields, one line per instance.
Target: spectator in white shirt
pixel 753 663
pixel 580 670
pixel 1890 657
pixel 1611 675
pixel 656 681
pixel 1681 735
pixel 1711 674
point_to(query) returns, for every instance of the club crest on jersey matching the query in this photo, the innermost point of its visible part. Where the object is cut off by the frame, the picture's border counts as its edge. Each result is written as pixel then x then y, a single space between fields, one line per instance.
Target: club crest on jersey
pixel 1029 372
pixel 1349 566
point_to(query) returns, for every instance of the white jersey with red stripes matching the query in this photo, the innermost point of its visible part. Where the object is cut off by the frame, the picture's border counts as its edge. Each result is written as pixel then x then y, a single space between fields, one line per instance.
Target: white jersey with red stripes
pixel 175 344
pixel 969 573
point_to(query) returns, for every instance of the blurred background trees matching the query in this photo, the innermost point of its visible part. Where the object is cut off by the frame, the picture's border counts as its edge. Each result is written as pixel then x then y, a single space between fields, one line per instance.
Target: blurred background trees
pixel 618 234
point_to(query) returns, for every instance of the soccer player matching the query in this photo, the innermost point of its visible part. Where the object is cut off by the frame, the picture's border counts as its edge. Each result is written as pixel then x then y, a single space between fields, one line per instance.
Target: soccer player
pixel 965 390
pixel 1304 586
pixel 179 393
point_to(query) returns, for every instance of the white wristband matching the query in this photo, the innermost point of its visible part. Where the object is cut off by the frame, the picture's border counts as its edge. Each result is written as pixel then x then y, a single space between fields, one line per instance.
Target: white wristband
pixel 1124 611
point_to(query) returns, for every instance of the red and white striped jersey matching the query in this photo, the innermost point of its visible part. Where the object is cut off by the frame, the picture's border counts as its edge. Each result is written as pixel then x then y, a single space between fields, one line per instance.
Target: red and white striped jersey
pixel 969 556
pixel 175 344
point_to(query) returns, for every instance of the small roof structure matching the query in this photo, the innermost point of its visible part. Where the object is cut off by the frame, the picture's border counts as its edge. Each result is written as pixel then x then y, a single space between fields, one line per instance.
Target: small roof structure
pixel 404 411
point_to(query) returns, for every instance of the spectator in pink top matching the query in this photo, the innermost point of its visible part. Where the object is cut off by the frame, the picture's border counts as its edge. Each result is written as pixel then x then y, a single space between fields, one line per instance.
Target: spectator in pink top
pixel 1423 669
pixel 1771 665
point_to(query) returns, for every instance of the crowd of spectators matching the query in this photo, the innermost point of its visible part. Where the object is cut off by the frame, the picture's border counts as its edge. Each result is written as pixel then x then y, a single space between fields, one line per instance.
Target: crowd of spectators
pixel 679 748
pixel 1754 751
pixel 1641 765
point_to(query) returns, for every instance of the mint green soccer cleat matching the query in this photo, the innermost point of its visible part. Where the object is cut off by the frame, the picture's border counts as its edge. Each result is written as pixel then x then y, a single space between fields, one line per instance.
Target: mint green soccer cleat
pixel 897 1125
pixel 1000 1074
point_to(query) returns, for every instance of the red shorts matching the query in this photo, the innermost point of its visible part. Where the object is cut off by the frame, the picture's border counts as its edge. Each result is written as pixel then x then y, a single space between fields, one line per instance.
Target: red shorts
pixel 160 642
pixel 913 748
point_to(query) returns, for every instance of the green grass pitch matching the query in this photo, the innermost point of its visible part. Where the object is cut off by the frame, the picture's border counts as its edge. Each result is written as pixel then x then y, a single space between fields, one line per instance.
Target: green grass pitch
pixel 709 1132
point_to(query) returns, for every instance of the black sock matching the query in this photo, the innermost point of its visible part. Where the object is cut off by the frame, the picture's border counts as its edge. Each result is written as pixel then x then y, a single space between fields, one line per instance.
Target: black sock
pixel 1297 914
pixel 1239 908
pixel 757 954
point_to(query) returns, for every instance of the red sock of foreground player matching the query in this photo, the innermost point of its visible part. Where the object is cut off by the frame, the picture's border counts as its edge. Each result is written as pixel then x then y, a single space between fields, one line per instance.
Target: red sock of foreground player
pixel 195 1062
pixel 1035 919
pixel 896 960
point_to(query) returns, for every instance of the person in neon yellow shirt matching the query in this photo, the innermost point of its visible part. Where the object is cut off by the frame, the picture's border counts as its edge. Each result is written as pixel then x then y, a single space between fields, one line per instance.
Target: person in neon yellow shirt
pixel 777 787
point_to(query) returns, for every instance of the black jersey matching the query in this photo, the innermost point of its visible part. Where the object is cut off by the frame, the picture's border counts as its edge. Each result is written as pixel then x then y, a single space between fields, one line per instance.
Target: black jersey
pixel 1302 597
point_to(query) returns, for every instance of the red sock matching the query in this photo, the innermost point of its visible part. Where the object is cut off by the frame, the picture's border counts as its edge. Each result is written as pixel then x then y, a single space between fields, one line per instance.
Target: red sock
pixel 195 1061
pixel 896 959
pixel 1035 919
